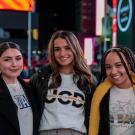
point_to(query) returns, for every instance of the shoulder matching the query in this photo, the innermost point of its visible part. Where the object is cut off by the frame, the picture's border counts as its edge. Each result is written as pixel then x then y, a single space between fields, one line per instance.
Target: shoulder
pixel 46 70
pixel 21 80
pixel 42 74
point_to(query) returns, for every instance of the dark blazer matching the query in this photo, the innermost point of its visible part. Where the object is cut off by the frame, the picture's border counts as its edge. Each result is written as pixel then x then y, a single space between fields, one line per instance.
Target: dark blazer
pixel 104 124
pixel 9 124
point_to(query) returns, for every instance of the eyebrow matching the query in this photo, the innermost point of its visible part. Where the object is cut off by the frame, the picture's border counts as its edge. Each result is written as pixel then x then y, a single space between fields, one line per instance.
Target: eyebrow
pixel 118 62
pixel 62 44
pixel 11 56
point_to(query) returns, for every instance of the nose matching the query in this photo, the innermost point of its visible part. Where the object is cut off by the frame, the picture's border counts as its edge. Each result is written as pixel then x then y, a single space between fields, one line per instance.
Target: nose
pixel 14 62
pixel 113 70
pixel 62 52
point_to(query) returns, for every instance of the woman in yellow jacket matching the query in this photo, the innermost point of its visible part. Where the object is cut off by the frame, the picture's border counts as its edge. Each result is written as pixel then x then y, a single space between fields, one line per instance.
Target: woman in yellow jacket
pixel 113 103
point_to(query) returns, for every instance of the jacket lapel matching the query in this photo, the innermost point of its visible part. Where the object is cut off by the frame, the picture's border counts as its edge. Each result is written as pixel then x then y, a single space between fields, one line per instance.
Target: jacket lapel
pixel 7 106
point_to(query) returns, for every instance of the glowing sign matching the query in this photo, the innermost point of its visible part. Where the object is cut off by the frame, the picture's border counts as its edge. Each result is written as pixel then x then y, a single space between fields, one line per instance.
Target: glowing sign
pixel 21 5
pixel 124 14
pixel 100 13
pixel 89 50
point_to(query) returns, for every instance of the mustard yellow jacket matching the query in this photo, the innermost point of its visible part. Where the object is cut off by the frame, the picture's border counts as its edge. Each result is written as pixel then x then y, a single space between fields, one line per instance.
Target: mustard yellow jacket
pixel 100 92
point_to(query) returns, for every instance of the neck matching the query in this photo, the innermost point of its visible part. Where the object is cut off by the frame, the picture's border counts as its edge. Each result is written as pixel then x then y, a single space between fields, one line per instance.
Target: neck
pixel 65 70
pixel 125 85
pixel 10 80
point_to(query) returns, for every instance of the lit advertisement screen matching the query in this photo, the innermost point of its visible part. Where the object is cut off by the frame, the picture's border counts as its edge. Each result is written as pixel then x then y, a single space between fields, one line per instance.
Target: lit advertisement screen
pixel 89 50
pixel 19 5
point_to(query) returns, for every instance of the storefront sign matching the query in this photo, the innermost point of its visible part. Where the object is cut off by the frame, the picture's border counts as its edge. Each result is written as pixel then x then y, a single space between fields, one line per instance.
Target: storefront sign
pixel 124 14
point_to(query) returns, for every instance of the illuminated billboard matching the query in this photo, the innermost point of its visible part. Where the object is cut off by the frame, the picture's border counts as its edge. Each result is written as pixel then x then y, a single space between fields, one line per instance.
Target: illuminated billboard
pixel 100 13
pixel 19 5
pixel 89 50
pixel 124 14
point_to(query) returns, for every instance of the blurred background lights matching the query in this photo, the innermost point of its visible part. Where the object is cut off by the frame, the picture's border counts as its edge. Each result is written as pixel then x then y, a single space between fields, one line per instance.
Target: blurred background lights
pixel 89 50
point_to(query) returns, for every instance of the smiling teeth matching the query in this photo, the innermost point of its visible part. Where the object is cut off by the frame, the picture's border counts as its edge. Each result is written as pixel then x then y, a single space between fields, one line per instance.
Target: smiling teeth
pixel 64 58
pixel 115 77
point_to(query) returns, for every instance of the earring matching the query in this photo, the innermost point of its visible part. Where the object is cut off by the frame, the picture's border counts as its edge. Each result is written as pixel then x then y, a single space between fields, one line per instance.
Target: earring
pixel 130 72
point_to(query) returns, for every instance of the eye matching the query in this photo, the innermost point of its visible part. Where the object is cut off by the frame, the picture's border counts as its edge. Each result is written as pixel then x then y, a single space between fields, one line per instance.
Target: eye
pixel 119 65
pixel 56 49
pixel 67 48
pixel 107 67
pixel 19 58
pixel 7 59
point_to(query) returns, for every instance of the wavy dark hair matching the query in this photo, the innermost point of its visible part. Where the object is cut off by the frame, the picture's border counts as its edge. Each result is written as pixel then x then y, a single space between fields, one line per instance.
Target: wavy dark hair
pixel 81 69
pixel 7 45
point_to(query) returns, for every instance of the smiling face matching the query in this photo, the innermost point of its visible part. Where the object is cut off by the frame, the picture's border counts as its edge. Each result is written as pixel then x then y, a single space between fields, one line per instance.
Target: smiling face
pixel 116 71
pixel 11 64
pixel 63 55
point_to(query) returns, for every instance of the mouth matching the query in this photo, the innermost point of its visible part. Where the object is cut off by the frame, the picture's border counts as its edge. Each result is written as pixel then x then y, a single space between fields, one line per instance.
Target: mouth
pixel 64 58
pixel 14 70
pixel 115 77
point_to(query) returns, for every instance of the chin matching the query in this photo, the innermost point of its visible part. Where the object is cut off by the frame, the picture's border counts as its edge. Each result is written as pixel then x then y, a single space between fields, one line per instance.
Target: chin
pixel 15 75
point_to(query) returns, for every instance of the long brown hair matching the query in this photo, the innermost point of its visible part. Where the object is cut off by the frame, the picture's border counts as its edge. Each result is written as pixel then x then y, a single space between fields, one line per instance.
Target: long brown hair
pixel 81 69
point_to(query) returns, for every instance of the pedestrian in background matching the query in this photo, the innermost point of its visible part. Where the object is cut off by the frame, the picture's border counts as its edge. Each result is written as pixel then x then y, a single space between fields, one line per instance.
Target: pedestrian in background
pixel 18 115
pixel 113 103
pixel 64 88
